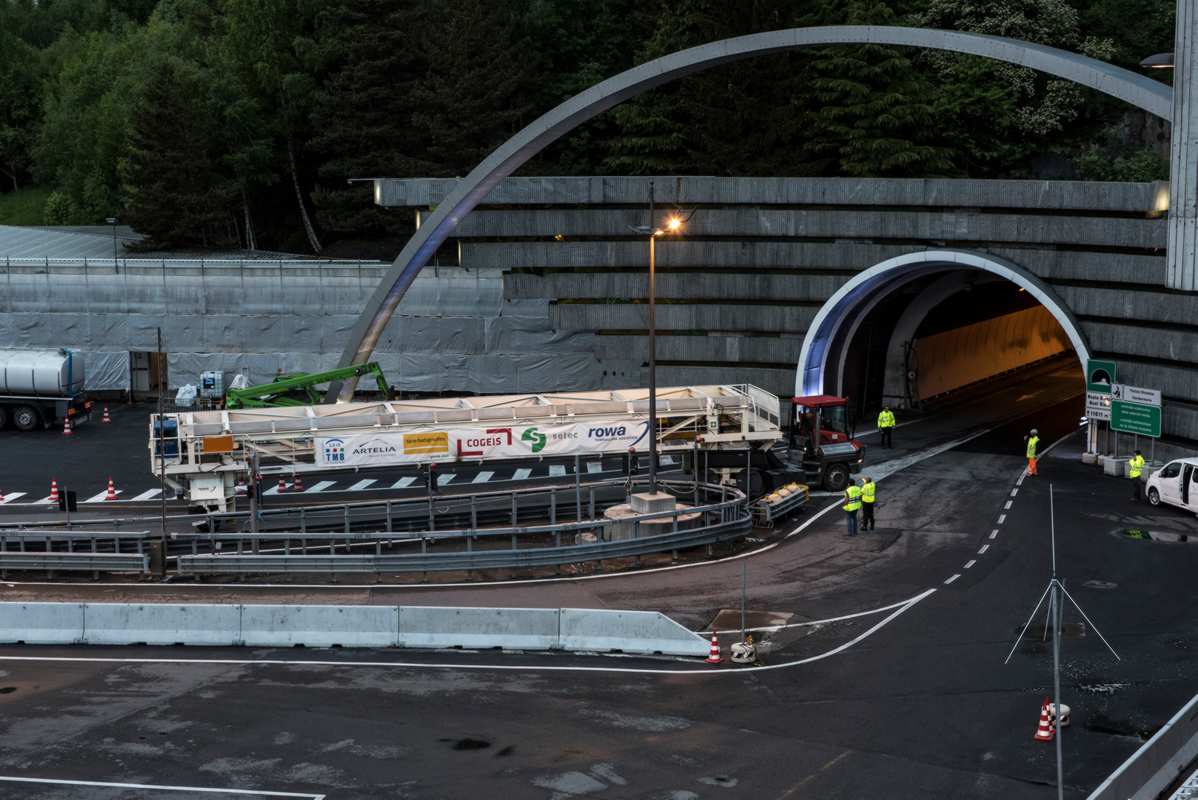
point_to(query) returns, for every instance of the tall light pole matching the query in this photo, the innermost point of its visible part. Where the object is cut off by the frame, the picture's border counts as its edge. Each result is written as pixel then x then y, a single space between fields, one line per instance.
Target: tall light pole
pixel 113 221
pixel 672 225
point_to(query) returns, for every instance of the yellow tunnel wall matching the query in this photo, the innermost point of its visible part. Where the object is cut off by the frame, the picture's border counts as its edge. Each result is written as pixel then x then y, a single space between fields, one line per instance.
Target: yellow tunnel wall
pixel 959 357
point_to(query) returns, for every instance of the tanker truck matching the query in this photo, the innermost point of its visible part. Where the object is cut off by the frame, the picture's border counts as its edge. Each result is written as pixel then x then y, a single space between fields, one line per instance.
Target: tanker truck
pixel 41 388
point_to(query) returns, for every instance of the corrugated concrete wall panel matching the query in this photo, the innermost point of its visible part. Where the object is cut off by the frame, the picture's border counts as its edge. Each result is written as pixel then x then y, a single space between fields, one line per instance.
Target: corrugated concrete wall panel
pixel 715 349
pixel 1134 339
pixel 709 317
pixel 1144 305
pixel 675 285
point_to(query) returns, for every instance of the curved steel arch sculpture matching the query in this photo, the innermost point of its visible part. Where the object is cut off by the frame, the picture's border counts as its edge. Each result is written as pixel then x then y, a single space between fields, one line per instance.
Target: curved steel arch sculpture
pixel 1153 97
pixel 846 303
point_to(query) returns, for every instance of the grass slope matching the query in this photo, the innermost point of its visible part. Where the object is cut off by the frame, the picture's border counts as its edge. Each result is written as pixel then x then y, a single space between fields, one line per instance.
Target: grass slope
pixel 23 207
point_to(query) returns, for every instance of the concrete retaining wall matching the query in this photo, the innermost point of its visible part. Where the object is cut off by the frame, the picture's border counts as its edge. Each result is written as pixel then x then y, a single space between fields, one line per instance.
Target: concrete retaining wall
pixel 1158 763
pixel 346 626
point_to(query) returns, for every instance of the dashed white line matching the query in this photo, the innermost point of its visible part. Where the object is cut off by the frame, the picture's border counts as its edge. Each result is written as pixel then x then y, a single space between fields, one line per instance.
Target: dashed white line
pixel 445 478
pixel 952 578
pixel 404 482
pixel 667 460
pixel 994 533
pixel 1007 506
pixel 594 466
pixel 275 489
pixel 557 470
pixel 360 485
pixel 99 498
pixel 45 501
pixel 969 564
pixel 983 549
pixel 1015 491
pixel 319 486
pixel 160 788
pixel 521 474
pixel 149 494
pixel 8 498
pixel 483 477
pixel 1002 518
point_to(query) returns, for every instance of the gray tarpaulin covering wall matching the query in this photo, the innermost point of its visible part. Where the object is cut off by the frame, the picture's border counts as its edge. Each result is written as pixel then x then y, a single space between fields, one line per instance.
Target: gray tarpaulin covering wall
pixel 106 371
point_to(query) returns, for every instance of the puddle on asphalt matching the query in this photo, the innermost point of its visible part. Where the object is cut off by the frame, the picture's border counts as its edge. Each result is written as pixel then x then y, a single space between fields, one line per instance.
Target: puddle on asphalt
pixel 1160 537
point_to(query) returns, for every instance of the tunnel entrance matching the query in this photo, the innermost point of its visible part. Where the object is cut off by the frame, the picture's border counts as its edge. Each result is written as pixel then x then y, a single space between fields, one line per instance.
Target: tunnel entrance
pixel 919 330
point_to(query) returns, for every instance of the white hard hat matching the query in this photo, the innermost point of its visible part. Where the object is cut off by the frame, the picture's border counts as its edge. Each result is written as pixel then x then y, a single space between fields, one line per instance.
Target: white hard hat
pixel 1035 432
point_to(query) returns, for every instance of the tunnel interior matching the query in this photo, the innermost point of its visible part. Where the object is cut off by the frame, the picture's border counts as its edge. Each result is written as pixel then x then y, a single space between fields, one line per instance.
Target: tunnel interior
pixel 921 340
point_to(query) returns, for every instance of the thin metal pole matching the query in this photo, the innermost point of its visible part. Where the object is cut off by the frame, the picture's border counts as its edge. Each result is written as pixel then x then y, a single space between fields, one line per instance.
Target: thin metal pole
pixel 255 488
pixel 1056 683
pixel 578 488
pixel 744 588
pixel 652 347
pixel 161 439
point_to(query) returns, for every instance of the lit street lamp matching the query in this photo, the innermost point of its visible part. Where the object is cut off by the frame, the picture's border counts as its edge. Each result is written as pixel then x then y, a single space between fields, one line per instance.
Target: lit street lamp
pixel 672 225
pixel 1158 61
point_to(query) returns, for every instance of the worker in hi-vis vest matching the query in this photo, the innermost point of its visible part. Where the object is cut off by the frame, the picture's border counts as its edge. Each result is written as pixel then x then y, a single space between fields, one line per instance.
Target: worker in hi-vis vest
pixel 1136 469
pixel 1033 442
pixel 886 426
pixel 852 504
pixel 869 496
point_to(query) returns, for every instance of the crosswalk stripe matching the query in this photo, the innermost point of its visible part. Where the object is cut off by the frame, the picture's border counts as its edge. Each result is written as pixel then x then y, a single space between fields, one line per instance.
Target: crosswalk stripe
pixel 320 486
pixel 360 485
pixel 275 489
pixel 8 498
pixel 445 478
pixel 404 482
pixel 521 474
pixel 557 470
pixel 99 498
pixel 594 466
pixel 483 477
pixel 149 494
pixel 45 501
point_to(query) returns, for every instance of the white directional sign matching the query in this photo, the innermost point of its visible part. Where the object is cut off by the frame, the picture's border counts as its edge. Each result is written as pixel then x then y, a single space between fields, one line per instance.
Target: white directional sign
pixel 1098 405
pixel 1135 394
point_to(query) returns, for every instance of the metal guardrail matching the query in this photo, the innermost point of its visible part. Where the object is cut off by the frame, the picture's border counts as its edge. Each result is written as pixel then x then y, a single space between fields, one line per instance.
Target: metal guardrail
pixel 197 266
pixel 89 562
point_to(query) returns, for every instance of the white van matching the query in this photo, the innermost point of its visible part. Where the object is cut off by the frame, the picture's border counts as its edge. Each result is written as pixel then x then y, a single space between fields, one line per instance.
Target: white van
pixel 1176 483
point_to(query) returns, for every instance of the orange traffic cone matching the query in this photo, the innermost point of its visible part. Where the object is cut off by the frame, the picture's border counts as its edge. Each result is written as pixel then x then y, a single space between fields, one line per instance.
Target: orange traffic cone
pixel 1045 732
pixel 1 496
pixel 298 486
pixel 282 486
pixel 714 658
pixel 105 418
pixel 66 426
pixel 111 495
pixel 54 491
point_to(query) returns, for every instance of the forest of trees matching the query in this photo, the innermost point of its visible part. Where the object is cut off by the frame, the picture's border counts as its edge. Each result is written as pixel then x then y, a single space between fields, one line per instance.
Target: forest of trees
pixel 218 123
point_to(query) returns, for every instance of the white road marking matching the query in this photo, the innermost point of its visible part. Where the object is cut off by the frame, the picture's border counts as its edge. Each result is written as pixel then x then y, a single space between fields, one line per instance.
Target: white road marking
pixel 809 623
pixel 994 533
pixel 45 501
pixel 1007 507
pixel 594 466
pixel 1002 518
pixel 404 482
pixel 953 578
pixel 557 470
pixel 275 489
pixel 320 486
pixel 8 498
pixel 668 460
pixel 160 788
pixel 1015 491
pixel 362 484
pixel 1019 480
pixel 445 478
pixel 483 477
pixel 99 498
pixel 983 549
pixel 149 494
pixel 521 474
pixel 969 564
pixel 697 671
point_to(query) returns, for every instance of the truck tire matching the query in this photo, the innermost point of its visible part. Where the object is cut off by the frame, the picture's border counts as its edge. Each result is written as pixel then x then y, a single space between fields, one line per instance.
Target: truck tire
pixel 3 417
pixel 1154 497
pixel 836 477
pixel 26 418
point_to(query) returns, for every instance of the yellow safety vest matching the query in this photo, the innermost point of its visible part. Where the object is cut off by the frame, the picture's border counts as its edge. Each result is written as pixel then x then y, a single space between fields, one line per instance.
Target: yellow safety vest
pixel 1137 466
pixel 886 419
pixel 869 492
pixel 852 498
pixel 1031 446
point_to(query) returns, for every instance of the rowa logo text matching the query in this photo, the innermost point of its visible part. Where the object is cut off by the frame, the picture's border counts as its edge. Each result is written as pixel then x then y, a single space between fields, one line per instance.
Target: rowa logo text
pixel 614 432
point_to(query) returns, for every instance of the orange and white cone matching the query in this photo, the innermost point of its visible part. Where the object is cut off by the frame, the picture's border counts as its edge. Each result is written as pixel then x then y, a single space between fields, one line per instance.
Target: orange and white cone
pixel 66 426
pixel 282 486
pixel 1 496
pixel 111 495
pixel 298 486
pixel 1045 731
pixel 105 418
pixel 53 491
pixel 714 657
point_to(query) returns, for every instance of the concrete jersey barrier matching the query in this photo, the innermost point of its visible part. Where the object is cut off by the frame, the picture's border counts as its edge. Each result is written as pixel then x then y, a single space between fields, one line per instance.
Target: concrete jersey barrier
pixel 216 624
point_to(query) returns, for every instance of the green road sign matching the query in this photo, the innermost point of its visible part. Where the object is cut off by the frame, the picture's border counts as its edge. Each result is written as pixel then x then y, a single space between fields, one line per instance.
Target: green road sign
pixel 1099 376
pixel 1136 418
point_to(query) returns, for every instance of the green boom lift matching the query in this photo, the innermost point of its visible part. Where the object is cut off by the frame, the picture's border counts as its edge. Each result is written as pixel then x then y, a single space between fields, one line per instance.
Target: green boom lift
pixel 300 389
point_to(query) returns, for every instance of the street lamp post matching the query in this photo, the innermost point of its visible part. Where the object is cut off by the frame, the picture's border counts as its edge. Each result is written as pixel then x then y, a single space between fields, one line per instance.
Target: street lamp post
pixel 673 225
pixel 113 221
